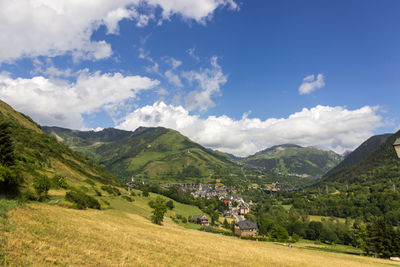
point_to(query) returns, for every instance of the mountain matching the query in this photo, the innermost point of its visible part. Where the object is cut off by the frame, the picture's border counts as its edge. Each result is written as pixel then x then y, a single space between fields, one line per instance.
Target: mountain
pixel 381 165
pixel 294 159
pixel 151 154
pixel 37 154
pixel 361 152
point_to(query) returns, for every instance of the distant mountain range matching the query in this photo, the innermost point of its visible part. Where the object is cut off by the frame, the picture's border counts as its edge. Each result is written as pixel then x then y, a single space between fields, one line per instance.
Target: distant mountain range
pixel 151 154
pixel 293 159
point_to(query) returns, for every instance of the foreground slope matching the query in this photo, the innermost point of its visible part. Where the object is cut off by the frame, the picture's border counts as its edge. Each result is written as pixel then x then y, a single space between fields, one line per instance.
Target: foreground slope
pixel 151 154
pixel 37 153
pixel 360 153
pixel 41 234
pixel 294 159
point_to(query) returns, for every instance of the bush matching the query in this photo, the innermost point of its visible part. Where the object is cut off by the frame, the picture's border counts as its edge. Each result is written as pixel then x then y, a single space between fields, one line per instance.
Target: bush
pixel 145 192
pixel 81 200
pixel 128 198
pixel 133 194
pixel 9 181
pixel 41 184
pixel 58 181
pixel 170 205
pixel 111 190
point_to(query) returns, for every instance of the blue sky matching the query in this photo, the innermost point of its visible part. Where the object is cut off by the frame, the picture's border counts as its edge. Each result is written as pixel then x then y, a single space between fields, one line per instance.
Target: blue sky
pixel 237 76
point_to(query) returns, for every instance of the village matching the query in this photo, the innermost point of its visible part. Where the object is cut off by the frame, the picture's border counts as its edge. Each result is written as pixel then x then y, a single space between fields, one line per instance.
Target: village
pixel 237 207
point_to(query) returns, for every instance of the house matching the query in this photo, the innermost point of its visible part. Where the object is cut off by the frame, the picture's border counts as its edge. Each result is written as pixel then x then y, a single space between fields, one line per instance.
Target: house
pixel 243 210
pixel 227 201
pixel 227 213
pixel 200 219
pixel 246 228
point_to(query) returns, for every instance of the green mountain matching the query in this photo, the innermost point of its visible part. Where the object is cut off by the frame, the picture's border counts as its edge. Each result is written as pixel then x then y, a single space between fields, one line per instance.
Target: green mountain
pixel 379 166
pixel 363 190
pixel 293 159
pixel 152 154
pixel 38 154
pixel 360 153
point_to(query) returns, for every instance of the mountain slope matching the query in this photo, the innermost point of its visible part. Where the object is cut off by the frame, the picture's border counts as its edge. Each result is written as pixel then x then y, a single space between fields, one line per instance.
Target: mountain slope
pixel 37 153
pixel 380 165
pixel 294 159
pixel 152 154
pixel 360 153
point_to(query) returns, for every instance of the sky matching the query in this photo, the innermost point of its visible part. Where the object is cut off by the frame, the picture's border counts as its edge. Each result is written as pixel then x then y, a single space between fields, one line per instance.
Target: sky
pixel 233 75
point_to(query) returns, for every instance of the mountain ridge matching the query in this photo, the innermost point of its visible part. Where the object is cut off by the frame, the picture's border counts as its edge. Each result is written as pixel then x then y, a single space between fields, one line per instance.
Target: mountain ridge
pixel 294 159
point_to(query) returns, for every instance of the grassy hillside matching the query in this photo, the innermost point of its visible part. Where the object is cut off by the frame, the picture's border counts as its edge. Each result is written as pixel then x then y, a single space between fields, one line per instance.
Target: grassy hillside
pixel 293 159
pixel 39 154
pixel 360 153
pixel 43 235
pixel 153 154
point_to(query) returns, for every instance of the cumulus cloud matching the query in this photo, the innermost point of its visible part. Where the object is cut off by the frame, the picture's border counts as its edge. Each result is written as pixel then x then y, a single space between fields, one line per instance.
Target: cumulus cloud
pixel 49 28
pixel 326 127
pixel 209 81
pixel 62 103
pixel 310 84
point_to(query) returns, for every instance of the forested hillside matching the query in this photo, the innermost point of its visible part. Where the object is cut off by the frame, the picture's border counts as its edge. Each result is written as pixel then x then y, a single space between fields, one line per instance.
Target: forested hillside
pixel 364 190
pixel 360 153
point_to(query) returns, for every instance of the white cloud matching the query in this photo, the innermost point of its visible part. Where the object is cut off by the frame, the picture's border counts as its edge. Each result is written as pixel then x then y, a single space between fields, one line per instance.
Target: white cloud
pixel 310 84
pixel 209 80
pixel 198 10
pixel 62 103
pixel 171 76
pixel 30 28
pixel 335 128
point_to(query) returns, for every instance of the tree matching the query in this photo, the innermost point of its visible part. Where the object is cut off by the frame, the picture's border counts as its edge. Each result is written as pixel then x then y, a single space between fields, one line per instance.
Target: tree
pixel 214 217
pixel 170 205
pixel 7 157
pixel 9 181
pixel 280 233
pixel 145 192
pixel 159 209
pixel 381 239
pixel 41 184
pixel 226 224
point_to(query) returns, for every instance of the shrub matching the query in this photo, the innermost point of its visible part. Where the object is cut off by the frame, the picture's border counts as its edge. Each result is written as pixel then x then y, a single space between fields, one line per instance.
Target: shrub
pixel 111 190
pixel 81 200
pixel 170 205
pixel 41 184
pixel 133 194
pixel 9 181
pixel 128 198
pixel 145 192
pixel 58 181
pixel 98 193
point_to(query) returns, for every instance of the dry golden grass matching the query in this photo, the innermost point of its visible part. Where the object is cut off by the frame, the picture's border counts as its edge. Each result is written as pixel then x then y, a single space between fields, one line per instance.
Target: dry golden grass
pixel 43 235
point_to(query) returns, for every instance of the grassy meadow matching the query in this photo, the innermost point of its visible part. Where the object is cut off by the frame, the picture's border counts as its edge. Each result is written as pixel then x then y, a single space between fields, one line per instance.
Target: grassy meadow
pixel 44 234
